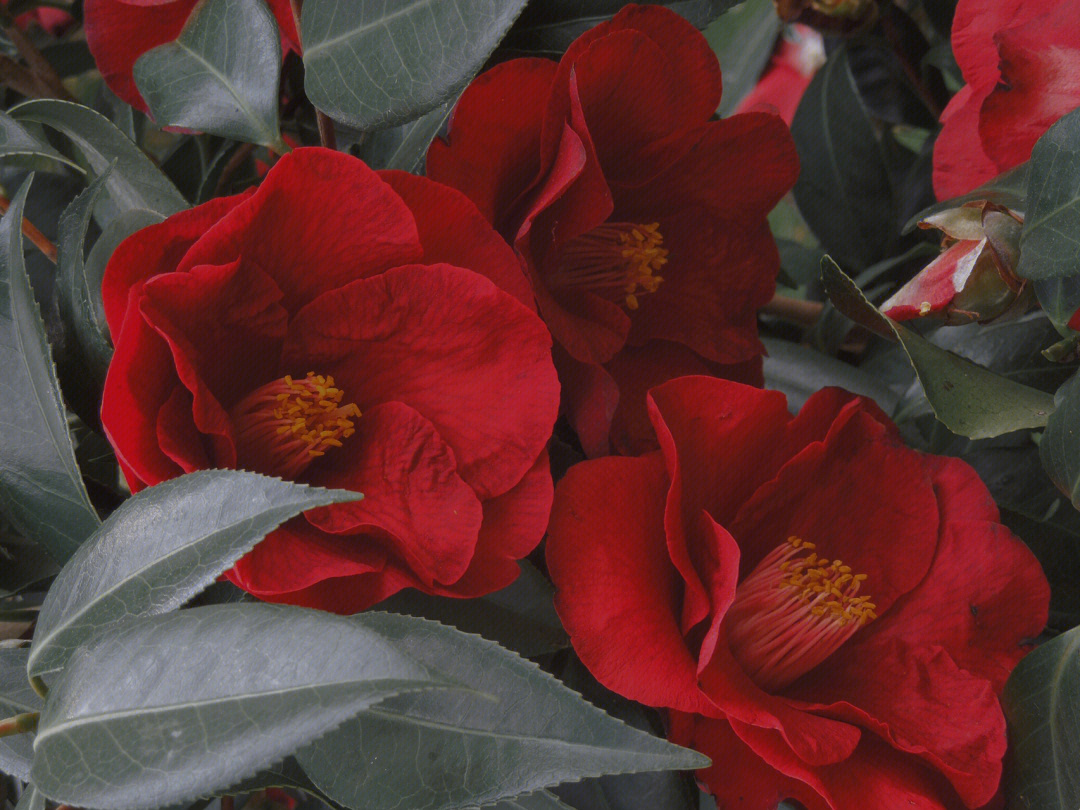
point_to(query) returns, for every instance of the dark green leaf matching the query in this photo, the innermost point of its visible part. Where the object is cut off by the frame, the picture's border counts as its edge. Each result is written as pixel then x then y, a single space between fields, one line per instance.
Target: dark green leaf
pixel 16 697
pixel 474 750
pixel 405 147
pixel 162 547
pixel 550 26
pixel 1060 445
pixel 843 191
pixel 968 399
pixel 743 40
pixel 1058 551
pixel 163 709
pixel 41 491
pixel 1059 298
pixel 799 371
pixel 1042 707
pixel 32 799
pixel 22 563
pixel 1008 190
pixel 79 297
pixel 135 181
pixel 220 75
pixel 374 65
pixel 1050 242
pixel 16 140
pixel 520 617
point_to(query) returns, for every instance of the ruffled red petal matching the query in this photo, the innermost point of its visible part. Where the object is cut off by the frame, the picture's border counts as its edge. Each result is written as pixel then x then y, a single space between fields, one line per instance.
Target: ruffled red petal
pixel 412 493
pixel 445 341
pixel 616 589
pixel 492 147
pixel 308 250
pixel 453 231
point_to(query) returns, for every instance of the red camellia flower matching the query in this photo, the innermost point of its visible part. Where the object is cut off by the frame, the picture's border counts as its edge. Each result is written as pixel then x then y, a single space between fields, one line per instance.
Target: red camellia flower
pixel 641 221
pixel 344 329
pixel 1021 59
pixel 826 613
pixel 118 32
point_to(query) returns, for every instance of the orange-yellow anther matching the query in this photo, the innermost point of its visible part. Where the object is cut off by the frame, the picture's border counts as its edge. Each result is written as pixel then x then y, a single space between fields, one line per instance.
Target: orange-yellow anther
pixel 793 611
pixel 621 260
pixel 281 427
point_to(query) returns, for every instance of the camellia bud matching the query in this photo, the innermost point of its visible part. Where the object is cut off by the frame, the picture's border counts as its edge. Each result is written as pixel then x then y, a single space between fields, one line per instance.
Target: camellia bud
pixel 973 279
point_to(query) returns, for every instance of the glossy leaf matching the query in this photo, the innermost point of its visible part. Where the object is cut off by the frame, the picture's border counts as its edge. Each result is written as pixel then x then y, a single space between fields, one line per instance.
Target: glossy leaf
pixel 135 181
pixel 405 147
pixel 520 617
pixel 1049 246
pixel 16 140
pixel 220 75
pixel 41 491
pixel 968 399
pixel 78 296
pixel 446 754
pixel 1042 707
pixel 843 191
pixel 160 710
pixel 162 547
pixel 16 697
pixel 379 64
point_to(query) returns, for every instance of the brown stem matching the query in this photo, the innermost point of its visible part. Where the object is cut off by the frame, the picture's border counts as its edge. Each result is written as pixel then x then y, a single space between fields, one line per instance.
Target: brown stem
pixel 18 78
pixel 40 240
pixel 794 310
pixel 19 724
pixel 40 67
pixel 228 803
pixel 230 168
pixel 327 137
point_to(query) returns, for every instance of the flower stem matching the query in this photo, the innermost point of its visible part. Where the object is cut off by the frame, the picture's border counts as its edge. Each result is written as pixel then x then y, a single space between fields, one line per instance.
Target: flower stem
pixel 794 310
pixel 39 686
pixel 48 79
pixel 40 240
pixel 19 724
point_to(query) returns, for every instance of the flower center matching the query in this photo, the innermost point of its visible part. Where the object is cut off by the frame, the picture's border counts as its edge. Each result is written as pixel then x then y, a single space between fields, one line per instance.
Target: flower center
pixel 792 612
pixel 619 260
pixel 283 426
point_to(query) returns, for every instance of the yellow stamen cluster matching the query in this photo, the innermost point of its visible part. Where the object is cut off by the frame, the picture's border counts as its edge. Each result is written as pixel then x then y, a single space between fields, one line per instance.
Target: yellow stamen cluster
pixel 829 585
pixel 641 248
pixel 312 407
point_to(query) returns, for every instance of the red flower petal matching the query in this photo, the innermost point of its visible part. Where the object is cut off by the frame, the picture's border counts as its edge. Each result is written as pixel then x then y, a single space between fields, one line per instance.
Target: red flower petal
pixel 307 250
pixel 492 147
pixel 921 703
pixel 590 397
pixel 157 249
pixel 974 26
pixel 447 342
pixel 880 517
pixel 960 162
pixel 413 495
pixel 139 382
pixel 453 231
pixel 118 32
pixel 180 440
pixel 222 311
pixel 937 284
pixel 615 584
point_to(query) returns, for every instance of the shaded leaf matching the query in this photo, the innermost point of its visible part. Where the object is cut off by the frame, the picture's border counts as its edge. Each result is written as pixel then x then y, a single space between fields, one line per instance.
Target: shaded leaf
pixel 1060 445
pixel 160 548
pixel 374 65
pixel 405 147
pixel 1050 241
pixel 520 617
pixel 135 181
pixel 843 191
pixel 118 229
pixel 220 75
pixel 16 140
pixel 163 709
pixel 1042 706
pixel 743 39
pixel 968 399
pixel 472 749
pixel 41 491
pixel 79 297
pixel 22 563
pixel 32 799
